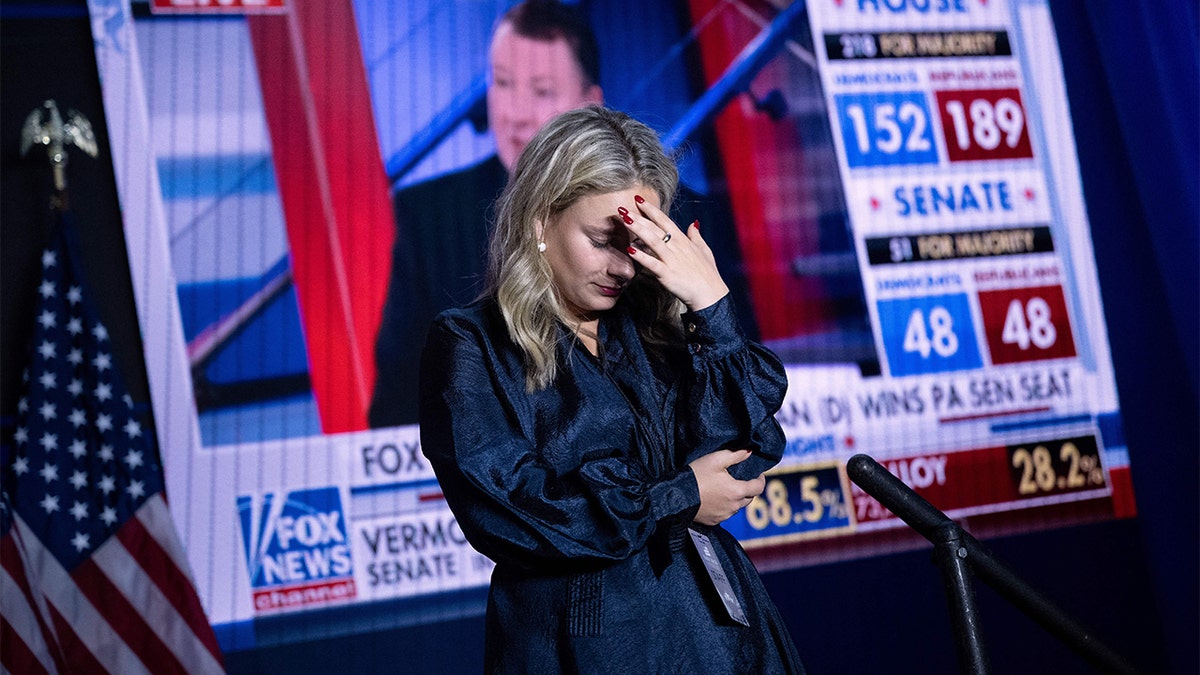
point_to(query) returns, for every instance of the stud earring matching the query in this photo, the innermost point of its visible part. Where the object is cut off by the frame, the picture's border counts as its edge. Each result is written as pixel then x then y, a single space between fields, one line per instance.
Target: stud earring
pixel 541 247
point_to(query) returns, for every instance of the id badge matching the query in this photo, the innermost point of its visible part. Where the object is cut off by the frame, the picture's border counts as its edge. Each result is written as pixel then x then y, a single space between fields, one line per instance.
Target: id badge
pixel 717 574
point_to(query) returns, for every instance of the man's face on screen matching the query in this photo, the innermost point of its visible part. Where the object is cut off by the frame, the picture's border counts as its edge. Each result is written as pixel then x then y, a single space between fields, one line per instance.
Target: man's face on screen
pixel 532 81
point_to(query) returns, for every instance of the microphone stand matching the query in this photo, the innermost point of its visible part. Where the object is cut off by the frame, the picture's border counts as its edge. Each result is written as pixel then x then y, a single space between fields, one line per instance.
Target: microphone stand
pixel 958 554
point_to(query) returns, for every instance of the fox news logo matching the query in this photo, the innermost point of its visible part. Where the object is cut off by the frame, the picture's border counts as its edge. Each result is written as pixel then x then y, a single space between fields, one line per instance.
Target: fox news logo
pixel 297 551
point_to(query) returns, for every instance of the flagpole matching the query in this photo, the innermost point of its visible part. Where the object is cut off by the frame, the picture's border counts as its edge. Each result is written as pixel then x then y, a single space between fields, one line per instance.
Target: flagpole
pixel 45 126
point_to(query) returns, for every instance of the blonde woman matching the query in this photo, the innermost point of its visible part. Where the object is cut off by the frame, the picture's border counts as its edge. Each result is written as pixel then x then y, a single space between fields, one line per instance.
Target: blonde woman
pixel 597 414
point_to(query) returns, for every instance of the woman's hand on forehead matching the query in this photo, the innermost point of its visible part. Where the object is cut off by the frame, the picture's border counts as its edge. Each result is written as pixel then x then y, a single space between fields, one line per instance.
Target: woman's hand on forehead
pixel 681 261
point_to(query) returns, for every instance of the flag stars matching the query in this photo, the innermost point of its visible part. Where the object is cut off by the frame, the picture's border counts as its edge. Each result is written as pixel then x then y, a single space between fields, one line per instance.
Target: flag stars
pixel 74 326
pixel 78 448
pixel 49 380
pixel 103 391
pixel 79 480
pixel 20 466
pixel 78 418
pixel 21 436
pixel 79 541
pixel 76 387
pixel 133 429
pixel 47 350
pixel 104 422
pixel 106 453
pixel 107 484
pixel 133 459
pixel 49 259
pixel 74 295
pixel 79 510
pixel 47 289
pixel 49 441
pixel 102 362
pixel 49 504
pixel 48 411
pixel 47 319
pixel 23 403
pixel 108 515
pixel 49 473
pixel 136 489
pixel 100 332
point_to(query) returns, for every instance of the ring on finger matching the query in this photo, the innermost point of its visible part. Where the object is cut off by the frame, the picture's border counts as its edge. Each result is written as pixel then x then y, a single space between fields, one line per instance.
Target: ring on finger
pixel 666 237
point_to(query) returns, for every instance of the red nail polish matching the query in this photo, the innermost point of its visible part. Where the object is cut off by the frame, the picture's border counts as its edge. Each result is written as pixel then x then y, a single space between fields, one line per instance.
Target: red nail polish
pixel 628 220
pixel 622 210
pixel 638 199
pixel 631 250
pixel 696 224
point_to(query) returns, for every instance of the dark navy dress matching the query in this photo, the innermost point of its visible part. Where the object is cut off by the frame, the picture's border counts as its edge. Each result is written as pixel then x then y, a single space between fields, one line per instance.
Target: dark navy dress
pixel 582 496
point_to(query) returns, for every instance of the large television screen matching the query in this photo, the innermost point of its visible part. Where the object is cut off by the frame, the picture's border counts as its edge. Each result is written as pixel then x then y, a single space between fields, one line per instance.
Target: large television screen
pixel 891 186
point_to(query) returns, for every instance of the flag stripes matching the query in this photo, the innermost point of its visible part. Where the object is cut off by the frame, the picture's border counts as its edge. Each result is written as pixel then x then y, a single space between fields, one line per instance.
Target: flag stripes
pixel 164 571
pixel 15 656
pixel 110 589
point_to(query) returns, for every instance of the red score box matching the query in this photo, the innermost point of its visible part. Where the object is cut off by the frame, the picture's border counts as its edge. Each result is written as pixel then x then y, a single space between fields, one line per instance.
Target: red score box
pixel 982 124
pixel 993 478
pixel 1026 324
pixel 949 481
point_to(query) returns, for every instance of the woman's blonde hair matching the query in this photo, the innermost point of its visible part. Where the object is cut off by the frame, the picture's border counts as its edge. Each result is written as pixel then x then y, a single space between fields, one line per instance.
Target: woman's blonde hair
pixel 583 152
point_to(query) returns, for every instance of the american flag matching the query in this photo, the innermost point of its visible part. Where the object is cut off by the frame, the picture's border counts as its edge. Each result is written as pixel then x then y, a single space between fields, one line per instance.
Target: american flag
pixel 92 575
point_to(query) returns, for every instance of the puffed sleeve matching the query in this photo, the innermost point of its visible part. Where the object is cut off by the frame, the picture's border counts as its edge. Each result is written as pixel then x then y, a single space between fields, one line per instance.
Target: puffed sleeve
pixel 512 504
pixel 735 389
